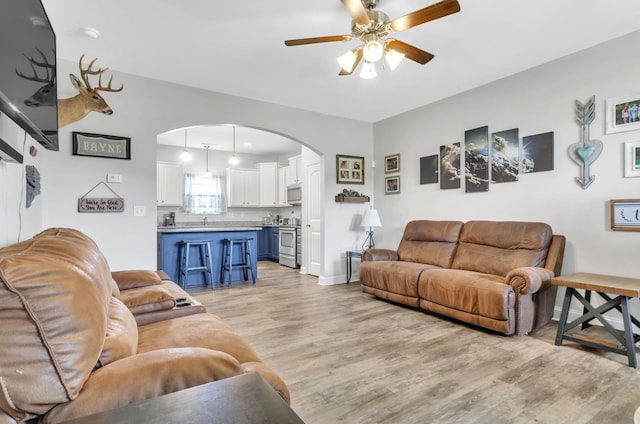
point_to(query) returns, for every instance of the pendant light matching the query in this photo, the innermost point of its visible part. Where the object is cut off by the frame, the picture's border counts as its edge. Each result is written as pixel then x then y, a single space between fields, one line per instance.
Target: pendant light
pixel 234 159
pixel 207 174
pixel 185 155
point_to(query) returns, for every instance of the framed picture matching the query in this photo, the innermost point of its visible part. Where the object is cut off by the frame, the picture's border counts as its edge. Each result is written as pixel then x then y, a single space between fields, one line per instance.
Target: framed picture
pixel 392 185
pixel 622 114
pixel 349 169
pixel 632 159
pixel 101 146
pixel 625 214
pixel 392 163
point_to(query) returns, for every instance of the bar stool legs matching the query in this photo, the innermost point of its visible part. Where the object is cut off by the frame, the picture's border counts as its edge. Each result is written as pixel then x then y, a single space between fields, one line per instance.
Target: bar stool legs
pixel 204 253
pixel 227 265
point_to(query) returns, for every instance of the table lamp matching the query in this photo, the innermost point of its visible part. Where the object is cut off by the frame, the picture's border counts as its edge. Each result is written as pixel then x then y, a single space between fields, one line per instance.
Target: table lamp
pixel 370 219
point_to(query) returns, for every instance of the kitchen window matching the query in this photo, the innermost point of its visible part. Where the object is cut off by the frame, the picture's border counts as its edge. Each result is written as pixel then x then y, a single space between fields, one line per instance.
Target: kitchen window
pixel 204 195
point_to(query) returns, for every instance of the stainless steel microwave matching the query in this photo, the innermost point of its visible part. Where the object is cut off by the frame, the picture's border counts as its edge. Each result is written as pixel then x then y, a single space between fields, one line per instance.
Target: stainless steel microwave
pixel 294 194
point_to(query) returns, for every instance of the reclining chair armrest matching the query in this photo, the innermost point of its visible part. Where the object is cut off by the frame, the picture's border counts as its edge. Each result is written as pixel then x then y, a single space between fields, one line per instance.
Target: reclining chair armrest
pixel 380 255
pixel 131 279
pixel 529 279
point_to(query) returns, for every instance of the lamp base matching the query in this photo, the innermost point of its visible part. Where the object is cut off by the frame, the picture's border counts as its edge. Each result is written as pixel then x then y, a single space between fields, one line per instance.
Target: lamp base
pixel 368 242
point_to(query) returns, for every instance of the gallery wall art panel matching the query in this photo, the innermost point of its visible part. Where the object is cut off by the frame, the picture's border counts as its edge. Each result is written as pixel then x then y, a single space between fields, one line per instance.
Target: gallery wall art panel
pixel 476 159
pixel 429 169
pixel 537 152
pixel 450 166
pixel 505 156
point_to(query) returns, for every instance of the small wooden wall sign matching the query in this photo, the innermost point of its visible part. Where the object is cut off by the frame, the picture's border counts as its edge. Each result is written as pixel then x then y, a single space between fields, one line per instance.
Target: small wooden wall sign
pixel 101 204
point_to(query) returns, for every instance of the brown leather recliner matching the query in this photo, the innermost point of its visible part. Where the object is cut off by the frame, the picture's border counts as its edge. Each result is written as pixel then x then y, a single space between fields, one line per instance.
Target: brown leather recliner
pixel 70 347
pixel 491 274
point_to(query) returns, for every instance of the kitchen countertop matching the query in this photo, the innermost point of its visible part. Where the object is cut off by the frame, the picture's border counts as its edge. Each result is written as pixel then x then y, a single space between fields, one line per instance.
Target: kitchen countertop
pixel 207 229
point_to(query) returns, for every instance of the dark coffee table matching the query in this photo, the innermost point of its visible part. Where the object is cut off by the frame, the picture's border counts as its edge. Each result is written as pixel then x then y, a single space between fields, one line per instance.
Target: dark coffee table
pixel 245 399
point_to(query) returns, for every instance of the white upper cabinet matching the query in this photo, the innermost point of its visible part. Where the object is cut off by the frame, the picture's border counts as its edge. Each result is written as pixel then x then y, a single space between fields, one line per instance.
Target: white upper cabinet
pixel 243 187
pixel 295 172
pixel 268 172
pixel 169 184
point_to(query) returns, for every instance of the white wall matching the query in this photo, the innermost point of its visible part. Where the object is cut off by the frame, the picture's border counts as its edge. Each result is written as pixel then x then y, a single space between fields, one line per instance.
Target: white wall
pixel 535 101
pixel 148 107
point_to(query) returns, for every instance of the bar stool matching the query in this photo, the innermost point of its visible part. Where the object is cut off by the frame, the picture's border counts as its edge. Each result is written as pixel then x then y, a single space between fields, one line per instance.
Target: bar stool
pixel 204 250
pixel 227 265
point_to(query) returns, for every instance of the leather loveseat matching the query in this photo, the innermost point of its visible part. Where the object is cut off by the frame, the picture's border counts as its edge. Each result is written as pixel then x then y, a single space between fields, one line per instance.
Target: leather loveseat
pixel 487 273
pixel 70 346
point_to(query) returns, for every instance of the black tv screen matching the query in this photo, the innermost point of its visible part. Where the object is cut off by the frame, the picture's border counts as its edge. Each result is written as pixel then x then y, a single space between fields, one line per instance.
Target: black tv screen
pixel 28 91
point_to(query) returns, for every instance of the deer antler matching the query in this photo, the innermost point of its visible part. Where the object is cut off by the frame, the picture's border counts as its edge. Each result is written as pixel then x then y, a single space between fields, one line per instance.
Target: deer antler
pixel 46 65
pixel 84 73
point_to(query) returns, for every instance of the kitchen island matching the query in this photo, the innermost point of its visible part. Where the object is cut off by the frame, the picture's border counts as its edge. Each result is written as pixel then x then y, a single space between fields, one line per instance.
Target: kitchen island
pixel 170 238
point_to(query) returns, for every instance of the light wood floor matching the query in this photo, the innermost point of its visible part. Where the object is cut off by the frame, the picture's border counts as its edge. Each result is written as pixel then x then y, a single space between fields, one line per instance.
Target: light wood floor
pixel 348 357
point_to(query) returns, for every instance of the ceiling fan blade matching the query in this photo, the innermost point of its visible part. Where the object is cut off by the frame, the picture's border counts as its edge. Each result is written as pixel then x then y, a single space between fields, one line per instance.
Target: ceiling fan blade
pixel 327 39
pixel 410 51
pixel 355 64
pixel 429 13
pixel 357 11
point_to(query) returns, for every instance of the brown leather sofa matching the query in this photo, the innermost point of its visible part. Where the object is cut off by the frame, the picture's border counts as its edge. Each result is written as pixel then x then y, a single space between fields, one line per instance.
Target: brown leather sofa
pixel 71 347
pixel 487 273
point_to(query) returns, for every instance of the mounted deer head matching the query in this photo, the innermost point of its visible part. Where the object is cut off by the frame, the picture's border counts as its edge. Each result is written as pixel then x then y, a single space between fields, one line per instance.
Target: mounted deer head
pixel 46 95
pixel 87 100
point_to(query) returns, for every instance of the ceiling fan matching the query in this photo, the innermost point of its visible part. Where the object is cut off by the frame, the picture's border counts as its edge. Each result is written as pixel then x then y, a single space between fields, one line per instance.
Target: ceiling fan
pixel 372 27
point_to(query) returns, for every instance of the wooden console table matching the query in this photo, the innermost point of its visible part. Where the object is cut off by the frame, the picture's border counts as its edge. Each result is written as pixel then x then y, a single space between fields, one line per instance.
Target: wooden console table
pixel 603 285
pixel 244 399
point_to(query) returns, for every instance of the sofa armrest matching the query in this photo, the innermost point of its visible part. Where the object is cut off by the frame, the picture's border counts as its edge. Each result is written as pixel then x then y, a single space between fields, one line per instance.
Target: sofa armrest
pixel 529 279
pixel 147 299
pixel 144 376
pixel 380 255
pixel 134 278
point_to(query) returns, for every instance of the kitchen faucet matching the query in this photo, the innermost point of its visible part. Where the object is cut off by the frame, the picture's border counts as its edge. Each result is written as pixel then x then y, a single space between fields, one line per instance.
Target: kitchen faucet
pixel 204 220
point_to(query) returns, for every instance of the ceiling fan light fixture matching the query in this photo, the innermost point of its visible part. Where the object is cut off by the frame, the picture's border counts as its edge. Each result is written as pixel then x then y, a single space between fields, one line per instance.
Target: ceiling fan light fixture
pixel 368 70
pixel 373 51
pixel 347 61
pixel 393 58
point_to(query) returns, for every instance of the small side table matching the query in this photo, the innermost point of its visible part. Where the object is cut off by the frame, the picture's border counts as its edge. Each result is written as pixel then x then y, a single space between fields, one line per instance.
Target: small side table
pixel 624 288
pixel 352 254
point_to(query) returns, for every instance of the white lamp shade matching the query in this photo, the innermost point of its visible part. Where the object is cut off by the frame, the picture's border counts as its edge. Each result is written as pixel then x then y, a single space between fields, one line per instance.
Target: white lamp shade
pixel 347 61
pixel 185 156
pixel 373 51
pixel 393 58
pixel 371 219
pixel 368 70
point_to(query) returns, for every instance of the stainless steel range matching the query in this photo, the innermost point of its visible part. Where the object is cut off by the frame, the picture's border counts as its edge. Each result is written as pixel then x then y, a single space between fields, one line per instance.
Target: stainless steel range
pixel 287 246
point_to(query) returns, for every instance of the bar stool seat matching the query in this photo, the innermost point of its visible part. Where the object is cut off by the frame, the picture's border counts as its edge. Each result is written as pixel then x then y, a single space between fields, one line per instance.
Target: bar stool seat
pixel 204 265
pixel 227 262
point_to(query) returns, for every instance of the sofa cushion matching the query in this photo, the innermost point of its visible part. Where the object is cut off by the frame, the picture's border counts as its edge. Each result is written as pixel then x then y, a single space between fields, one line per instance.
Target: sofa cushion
pixel 472 292
pixel 430 242
pixel 392 276
pixel 54 290
pixel 206 331
pixel 147 299
pixel 145 376
pixel 494 247
pixel 121 339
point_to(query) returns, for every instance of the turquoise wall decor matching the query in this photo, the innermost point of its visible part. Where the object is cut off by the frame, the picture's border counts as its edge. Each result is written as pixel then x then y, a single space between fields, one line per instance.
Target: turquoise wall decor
pixel 586 151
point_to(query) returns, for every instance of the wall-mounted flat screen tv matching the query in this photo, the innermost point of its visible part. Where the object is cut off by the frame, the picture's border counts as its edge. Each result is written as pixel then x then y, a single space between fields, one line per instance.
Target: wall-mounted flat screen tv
pixel 28 92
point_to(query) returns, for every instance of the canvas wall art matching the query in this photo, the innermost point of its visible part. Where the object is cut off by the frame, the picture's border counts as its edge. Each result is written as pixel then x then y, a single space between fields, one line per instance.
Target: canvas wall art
pixel 429 169
pixel 505 156
pixel 537 152
pixel 476 159
pixel 450 166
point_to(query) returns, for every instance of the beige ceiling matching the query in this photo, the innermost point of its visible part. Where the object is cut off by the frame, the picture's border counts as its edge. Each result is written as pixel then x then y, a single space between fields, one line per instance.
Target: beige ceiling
pixel 236 47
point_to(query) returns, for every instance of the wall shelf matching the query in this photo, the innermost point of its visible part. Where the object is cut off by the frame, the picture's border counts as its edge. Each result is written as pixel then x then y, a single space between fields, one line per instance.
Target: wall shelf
pixel 340 198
